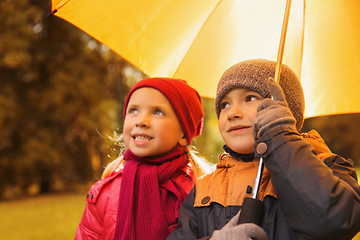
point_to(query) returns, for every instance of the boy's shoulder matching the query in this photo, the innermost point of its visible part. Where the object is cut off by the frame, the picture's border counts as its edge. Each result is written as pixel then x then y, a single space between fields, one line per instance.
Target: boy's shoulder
pixel 315 140
pixel 205 178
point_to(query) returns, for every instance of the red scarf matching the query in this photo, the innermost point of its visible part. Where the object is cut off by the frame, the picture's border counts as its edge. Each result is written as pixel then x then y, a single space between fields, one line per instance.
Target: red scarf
pixel 144 207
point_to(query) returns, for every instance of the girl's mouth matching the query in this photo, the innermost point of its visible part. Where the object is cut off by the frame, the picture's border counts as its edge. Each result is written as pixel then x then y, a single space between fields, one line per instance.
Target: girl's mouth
pixel 142 138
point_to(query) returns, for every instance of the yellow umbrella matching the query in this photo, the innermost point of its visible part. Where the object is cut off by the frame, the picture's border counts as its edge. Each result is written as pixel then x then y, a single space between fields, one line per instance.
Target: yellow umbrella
pixel 198 40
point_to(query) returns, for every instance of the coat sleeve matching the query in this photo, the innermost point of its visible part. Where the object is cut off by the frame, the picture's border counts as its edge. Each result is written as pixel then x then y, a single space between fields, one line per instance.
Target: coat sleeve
pixel 99 217
pixel 187 228
pixel 89 225
pixel 320 199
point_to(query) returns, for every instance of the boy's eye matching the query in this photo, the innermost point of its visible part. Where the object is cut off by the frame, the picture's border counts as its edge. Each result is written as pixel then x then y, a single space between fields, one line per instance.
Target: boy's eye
pixel 224 105
pixel 158 112
pixel 250 98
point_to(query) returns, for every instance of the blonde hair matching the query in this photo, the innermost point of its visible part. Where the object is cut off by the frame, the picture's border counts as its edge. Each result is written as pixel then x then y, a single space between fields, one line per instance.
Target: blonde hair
pixel 198 164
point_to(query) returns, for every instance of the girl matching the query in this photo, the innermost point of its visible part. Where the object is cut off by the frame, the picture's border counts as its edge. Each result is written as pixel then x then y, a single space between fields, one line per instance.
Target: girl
pixel 141 199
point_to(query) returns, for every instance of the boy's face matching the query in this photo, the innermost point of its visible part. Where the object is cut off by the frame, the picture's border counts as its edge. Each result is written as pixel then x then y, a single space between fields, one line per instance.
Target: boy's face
pixel 236 119
pixel 151 126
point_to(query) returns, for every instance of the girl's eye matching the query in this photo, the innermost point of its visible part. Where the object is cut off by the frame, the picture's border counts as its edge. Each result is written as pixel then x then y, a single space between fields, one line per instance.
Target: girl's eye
pixel 224 105
pixel 158 112
pixel 251 98
pixel 132 111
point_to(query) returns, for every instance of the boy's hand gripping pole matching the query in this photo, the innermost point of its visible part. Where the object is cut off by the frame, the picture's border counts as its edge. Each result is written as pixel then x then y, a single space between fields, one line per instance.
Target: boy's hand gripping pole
pixel 252 209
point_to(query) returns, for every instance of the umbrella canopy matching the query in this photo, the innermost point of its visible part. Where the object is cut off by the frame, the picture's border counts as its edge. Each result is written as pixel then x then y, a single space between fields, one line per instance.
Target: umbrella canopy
pixel 198 40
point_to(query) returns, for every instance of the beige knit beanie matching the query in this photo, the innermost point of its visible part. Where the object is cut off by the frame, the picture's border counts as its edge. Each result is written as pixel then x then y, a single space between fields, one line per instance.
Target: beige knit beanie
pixel 253 74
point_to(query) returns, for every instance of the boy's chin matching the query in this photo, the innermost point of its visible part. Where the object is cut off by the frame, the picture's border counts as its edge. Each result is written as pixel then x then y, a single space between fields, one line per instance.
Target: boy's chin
pixel 243 144
pixel 246 152
pixel 242 149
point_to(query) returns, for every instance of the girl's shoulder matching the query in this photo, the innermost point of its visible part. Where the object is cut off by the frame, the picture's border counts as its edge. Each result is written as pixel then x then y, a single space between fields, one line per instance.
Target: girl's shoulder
pixel 102 185
pixel 185 178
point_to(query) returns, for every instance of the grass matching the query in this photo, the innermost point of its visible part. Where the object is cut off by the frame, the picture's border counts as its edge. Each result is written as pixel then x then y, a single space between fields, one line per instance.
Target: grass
pixel 54 216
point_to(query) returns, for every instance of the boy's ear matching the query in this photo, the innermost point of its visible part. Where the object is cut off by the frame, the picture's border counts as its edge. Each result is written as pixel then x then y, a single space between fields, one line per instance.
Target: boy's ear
pixel 183 141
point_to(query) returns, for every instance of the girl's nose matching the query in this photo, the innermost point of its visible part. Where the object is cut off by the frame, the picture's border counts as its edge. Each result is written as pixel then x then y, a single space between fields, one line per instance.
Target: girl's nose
pixel 142 122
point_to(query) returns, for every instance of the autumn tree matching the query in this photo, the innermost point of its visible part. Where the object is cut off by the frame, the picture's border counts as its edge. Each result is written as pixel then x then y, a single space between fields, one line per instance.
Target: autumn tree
pixel 61 94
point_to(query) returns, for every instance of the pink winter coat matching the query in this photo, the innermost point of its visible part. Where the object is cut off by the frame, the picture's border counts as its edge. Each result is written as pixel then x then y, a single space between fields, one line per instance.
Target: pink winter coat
pixel 99 217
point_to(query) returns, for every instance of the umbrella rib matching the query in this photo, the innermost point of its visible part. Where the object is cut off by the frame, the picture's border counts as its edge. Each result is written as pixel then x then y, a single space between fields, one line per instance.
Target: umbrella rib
pixel 206 20
pixel 60 5
pixel 146 24
pixel 302 41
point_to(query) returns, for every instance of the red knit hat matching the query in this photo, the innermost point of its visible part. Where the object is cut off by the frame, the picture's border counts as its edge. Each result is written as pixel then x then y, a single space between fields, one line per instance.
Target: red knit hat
pixel 185 101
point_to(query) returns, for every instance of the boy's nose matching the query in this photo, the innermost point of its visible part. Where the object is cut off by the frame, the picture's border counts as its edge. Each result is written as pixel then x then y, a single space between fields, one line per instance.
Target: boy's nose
pixel 235 113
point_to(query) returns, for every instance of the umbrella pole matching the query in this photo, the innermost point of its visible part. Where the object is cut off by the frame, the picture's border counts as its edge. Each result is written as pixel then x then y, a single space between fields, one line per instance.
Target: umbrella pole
pixel 252 209
pixel 257 179
pixel 277 79
pixel 282 40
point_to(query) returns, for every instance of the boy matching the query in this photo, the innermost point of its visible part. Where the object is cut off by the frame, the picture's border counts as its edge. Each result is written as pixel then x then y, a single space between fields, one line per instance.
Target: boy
pixel 307 191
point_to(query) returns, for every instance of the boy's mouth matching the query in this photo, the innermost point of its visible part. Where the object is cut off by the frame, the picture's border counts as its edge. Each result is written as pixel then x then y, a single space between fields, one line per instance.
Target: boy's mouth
pixel 238 127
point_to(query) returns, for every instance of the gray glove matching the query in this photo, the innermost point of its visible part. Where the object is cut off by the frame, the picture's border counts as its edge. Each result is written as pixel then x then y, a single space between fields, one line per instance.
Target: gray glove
pixel 244 231
pixel 273 112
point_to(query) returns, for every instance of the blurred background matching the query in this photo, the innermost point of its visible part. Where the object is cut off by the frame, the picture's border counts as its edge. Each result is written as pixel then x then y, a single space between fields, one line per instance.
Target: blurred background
pixel 61 102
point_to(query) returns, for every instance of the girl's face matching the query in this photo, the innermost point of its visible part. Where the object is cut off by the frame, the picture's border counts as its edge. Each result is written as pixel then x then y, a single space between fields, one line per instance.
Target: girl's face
pixel 236 119
pixel 151 126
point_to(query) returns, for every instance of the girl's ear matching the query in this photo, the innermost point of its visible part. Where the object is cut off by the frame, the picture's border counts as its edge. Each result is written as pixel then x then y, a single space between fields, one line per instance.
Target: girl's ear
pixel 183 141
